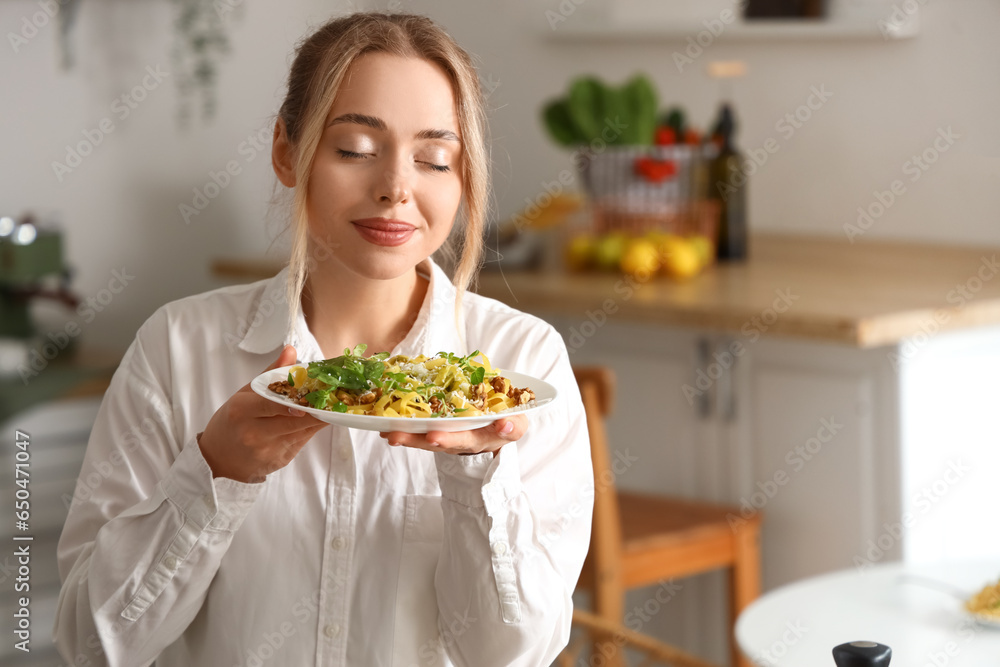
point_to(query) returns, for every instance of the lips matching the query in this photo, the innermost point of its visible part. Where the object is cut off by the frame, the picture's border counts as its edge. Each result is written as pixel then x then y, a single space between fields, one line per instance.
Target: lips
pixel 384 231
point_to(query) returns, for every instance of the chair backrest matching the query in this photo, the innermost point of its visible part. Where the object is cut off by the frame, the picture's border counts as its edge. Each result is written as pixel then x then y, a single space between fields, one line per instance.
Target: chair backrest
pixel 597 387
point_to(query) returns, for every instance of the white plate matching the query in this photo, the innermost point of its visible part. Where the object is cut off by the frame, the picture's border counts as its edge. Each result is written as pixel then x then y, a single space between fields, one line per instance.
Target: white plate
pixel 545 395
pixel 981 619
pixel 985 621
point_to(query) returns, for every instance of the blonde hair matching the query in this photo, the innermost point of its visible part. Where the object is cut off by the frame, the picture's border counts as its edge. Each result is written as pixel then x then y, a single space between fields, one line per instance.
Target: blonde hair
pixel 321 62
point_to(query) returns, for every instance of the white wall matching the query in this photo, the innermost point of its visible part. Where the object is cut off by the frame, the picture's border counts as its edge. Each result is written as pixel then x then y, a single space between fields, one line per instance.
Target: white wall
pixel 121 204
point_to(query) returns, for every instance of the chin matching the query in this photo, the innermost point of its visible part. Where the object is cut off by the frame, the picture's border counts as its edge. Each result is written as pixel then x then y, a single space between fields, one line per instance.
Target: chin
pixel 383 266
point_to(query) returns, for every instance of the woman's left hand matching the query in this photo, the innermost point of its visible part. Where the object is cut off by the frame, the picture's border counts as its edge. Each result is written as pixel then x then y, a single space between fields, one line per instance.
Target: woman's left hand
pixel 486 439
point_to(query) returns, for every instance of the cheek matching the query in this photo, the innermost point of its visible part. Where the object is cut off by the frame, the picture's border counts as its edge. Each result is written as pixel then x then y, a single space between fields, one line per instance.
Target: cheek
pixel 446 198
pixel 332 189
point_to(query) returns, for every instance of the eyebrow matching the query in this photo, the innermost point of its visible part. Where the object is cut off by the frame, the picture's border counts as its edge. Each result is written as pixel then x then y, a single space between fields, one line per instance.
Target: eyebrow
pixel 379 124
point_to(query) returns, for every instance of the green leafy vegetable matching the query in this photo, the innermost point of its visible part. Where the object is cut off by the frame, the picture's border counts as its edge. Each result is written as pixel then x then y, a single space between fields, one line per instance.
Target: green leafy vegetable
pixel 351 371
pixel 590 107
pixel 318 398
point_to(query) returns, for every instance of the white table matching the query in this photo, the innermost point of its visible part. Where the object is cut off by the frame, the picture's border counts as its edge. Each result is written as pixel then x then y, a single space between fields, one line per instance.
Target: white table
pixel 798 625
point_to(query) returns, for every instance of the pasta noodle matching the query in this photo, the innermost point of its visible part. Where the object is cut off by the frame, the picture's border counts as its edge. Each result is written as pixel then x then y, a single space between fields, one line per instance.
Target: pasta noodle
pixel 445 385
pixel 986 602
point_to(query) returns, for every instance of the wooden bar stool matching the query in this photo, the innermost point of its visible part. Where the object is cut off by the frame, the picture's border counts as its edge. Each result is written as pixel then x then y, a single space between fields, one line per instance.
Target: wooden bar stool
pixel 640 539
pixel 654 652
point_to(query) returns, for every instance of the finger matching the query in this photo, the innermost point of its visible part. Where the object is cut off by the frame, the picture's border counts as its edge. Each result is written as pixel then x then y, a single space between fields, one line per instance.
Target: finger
pixel 271 428
pixel 461 442
pixel 257 406
pixel 505 429
pixel 286 358
pixel 415 440
pixel 412 440
pixel 511 428
pixel 282 408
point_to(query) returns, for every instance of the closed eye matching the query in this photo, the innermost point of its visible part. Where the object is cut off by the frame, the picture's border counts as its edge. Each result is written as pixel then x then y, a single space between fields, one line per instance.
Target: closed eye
pixel 350 154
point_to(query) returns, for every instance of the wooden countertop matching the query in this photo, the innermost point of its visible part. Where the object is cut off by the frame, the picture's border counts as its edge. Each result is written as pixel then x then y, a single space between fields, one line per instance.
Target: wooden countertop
pixel 866 294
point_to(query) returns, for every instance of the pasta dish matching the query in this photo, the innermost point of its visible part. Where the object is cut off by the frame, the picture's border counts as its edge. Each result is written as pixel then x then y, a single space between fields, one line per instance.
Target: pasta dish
pixel 986 602
pixel 445 385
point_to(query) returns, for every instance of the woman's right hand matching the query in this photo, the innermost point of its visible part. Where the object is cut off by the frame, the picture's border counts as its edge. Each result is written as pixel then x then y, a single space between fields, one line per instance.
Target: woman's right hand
pixel 250 437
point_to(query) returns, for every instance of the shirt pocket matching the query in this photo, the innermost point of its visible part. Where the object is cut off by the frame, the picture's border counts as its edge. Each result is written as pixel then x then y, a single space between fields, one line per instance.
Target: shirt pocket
pixel 416 641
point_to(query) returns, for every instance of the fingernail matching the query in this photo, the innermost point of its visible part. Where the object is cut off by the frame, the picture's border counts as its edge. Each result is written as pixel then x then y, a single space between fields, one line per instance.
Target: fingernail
pixel 295 412
pixel 433 444
pixel 507 428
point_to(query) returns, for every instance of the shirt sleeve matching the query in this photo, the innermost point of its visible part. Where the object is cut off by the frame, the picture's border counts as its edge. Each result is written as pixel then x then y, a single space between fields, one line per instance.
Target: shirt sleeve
pixel 147 528
pixel 516 533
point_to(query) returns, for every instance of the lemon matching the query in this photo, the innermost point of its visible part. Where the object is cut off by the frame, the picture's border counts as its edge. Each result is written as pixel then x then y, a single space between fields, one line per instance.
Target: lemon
pixel 680 258
pixel 656 235
pixel 580 252
pixel 609 250
pixel 705 248
pixel 641 259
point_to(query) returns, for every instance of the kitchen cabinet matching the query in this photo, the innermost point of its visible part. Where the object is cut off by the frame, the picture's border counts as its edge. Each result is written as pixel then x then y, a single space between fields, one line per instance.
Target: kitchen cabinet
pixel 855 456
pixel 789 428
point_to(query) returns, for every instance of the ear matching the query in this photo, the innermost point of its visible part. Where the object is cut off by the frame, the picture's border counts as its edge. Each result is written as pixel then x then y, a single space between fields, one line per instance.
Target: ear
pixel 282 155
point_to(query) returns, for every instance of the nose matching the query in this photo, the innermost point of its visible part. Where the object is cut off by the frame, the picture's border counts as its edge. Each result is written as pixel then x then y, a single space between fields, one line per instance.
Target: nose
pixel 394 185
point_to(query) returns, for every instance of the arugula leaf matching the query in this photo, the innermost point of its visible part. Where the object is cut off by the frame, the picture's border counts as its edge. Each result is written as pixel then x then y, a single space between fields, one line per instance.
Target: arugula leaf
pixel 477 375
pixel 393 380
pixel 351 371
pixel 291 379
pixel 318 398
pixel 374 370
pixel 331 379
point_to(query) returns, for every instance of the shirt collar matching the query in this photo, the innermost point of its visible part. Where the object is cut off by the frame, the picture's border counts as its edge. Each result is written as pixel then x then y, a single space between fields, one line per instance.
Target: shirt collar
pixel 434 327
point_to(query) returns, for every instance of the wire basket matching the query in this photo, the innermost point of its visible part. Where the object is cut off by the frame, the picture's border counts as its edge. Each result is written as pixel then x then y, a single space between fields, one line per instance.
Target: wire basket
pixel 623 198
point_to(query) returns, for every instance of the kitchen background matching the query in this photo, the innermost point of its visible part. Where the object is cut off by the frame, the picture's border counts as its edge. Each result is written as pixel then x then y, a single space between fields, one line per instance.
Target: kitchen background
pixel 121 205
pixel 876 104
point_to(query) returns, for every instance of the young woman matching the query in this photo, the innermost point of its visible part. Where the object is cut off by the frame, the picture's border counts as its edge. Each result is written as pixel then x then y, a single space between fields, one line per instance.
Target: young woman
pixel 211 527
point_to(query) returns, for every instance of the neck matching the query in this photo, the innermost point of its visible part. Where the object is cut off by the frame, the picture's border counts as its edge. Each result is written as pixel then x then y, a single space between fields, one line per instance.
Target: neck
pixel 343 309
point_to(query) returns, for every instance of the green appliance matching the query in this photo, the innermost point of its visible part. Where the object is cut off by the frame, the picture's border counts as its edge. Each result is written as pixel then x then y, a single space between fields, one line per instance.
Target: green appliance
pixel 31 259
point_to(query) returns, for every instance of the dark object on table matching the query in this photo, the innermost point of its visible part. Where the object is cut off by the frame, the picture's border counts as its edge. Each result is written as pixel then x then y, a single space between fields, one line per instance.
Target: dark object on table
pixel 727 183
pixel 772 9
pixel 513 248
pixel 862 654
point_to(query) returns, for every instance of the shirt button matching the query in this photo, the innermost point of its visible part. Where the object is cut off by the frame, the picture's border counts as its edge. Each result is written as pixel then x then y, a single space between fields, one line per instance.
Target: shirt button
pixel 345 453
pixel 331 630
pixel 170 562
pixel 338 543
pixel 499 549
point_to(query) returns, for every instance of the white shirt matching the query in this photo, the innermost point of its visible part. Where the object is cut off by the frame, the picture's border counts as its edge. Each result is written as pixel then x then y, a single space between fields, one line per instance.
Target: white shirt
pixel 356 553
